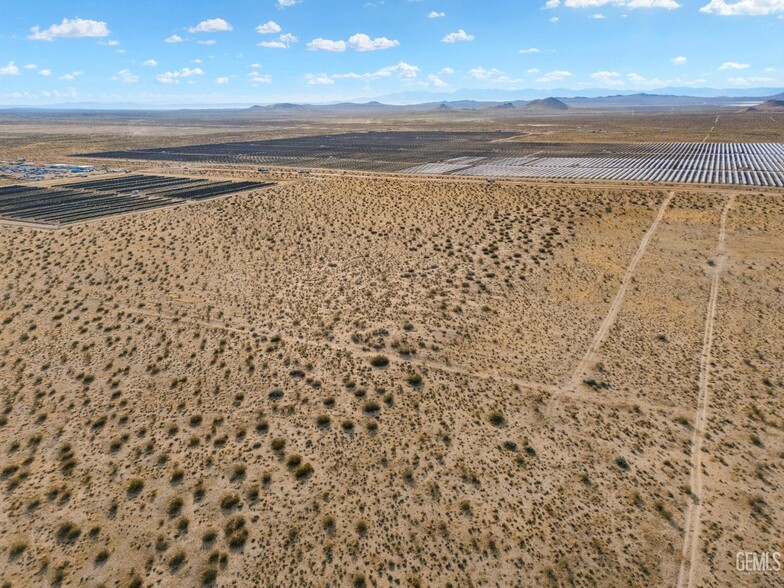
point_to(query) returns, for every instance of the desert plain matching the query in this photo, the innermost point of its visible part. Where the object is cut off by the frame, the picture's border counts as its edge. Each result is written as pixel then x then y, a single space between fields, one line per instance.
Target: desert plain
pixel 356 378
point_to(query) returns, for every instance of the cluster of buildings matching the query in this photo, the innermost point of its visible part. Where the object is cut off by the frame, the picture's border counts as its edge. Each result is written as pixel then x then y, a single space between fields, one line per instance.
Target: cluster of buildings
pixel 21 169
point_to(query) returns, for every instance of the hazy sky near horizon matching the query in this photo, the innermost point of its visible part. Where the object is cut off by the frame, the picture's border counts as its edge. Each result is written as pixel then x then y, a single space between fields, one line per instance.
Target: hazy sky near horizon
pixel 236 51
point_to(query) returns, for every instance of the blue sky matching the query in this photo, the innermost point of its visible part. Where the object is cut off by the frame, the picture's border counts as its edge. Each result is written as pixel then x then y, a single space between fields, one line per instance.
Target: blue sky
pixel 241 51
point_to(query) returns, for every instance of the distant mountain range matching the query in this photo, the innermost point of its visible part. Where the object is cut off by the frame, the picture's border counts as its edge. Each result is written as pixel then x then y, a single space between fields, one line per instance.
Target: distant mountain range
pixel 496 95
pixel 532 100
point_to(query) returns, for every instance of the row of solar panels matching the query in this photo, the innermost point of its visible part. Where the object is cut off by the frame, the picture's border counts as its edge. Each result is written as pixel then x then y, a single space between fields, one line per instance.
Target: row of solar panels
pixel 80 201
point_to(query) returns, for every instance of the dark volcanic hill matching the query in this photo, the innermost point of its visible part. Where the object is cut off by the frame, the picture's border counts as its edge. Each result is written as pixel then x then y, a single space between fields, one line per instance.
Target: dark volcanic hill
pixel 772 105
pixel 546 105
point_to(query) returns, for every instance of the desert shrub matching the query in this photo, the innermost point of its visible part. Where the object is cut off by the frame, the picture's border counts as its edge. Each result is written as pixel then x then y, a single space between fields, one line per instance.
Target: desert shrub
pixel 209 536
pixel 17 548
pixel 414 380
pixel 497 418
pixel 379 361
pixel 208 576
pixel 323 420
pixel 236 532
pixel 101 556
pixel 176 560
pixel 238 473
pixel 303 471
pixel 177 475
pixel 230 501
pixel 135 486
pixel 68 533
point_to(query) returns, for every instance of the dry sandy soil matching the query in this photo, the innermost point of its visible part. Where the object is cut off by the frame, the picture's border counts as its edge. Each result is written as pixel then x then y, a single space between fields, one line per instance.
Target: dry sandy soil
pixel 369 380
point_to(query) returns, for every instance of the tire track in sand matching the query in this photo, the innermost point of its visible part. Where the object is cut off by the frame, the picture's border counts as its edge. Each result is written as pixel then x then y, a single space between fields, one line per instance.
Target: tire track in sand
pixel 609 319
pixel 691 536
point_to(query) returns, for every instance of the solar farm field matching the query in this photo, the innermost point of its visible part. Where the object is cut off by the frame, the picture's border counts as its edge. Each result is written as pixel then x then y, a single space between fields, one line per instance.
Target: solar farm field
pixel 75 202
pixel 493 154
pixel 370 151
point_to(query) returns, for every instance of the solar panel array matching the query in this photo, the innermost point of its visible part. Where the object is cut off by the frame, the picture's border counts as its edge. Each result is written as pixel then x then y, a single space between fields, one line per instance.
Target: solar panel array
pixel 497 154
pixel 751 164
pixel 369 151
pixel 81 201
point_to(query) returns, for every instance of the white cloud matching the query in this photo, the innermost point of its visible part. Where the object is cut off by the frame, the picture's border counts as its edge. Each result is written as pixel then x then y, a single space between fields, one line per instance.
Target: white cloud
pixel 70 28
pixel 733 65
pixel 434 14
pixel 255 77
pixel 207 42
pixel 554 19
pixel 598 16
pixel 554 76
pixel 607 78
pixel 751 81
pixel 287 3
pixel 255 65
pixel 71 76
pixel 45 72
pixel 533 70
pixel 150 63
pixel 480 73
pixel 125 76
pixel 173 77
pixel 527 51
pixel 320 44
pixel 680 60
pixel 222 80
pixel 268 28
pixel 111 43
pixel 362 42
pixel 321 79
pixel 458 36
pixel 436 82
pixel 173 39
pixel 9 70
pixel 403 70
pixel 447 71
pixel 743 7
pixel 211 25
pixel 284 41
pixel 493 75
pixel 30 66
pixel 667 4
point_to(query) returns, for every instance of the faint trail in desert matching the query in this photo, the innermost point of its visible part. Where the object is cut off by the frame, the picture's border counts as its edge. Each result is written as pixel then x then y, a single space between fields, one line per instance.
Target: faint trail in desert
pixel 715 122
pixel 353 348
pixel 690 552
pixel 609 319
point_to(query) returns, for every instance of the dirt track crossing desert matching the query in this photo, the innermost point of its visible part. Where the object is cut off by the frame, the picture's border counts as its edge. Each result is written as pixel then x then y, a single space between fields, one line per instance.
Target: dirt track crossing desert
pixel 690 554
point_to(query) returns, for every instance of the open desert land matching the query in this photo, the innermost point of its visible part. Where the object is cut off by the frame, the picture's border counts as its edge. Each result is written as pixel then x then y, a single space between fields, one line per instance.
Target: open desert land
pixel 352 378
